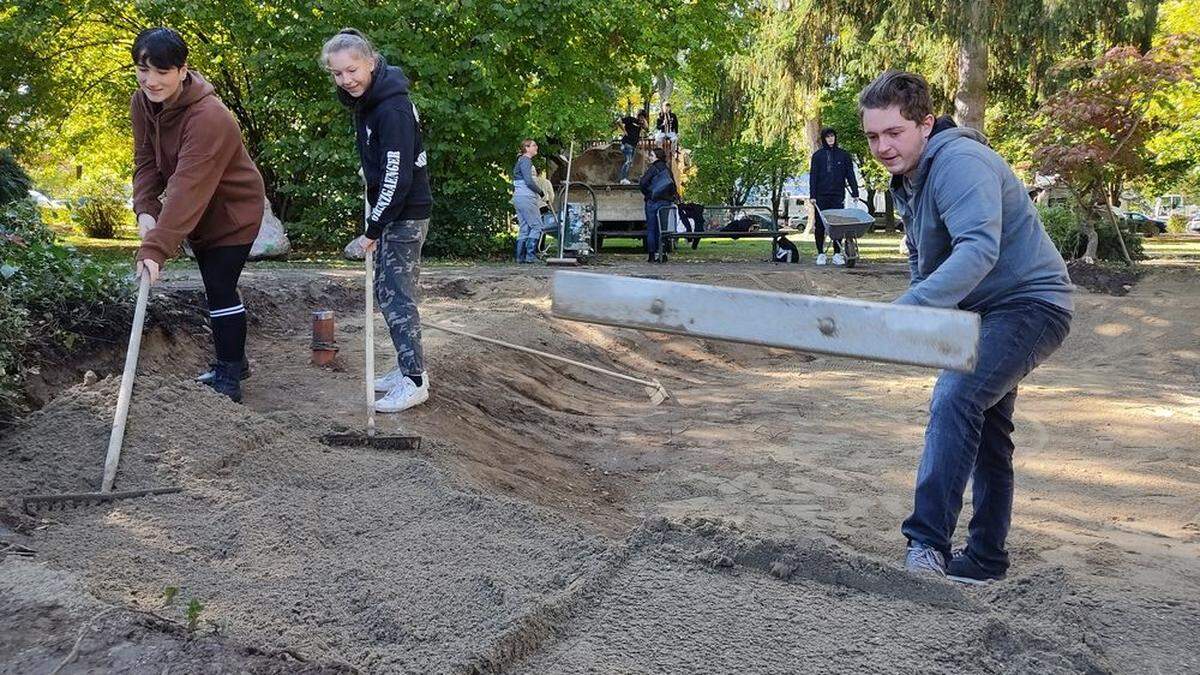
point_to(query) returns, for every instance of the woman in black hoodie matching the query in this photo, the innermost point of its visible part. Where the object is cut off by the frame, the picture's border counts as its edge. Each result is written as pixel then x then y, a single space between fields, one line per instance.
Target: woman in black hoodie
pixel 394 166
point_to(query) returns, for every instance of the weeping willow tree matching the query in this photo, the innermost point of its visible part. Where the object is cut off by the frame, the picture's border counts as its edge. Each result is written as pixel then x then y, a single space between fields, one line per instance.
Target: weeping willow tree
pixel 969 50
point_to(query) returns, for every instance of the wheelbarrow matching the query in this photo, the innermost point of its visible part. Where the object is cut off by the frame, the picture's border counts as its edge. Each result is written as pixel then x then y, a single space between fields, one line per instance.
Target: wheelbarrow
pixel 846 226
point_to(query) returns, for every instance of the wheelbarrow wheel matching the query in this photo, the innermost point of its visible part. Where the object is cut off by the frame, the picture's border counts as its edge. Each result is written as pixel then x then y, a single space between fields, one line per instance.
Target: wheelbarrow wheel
pixel 851 247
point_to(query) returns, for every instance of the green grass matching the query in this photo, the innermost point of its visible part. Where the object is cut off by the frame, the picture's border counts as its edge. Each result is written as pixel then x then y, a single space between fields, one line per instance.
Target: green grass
pixel 122 249
pixel 875 247
pixel 1183 248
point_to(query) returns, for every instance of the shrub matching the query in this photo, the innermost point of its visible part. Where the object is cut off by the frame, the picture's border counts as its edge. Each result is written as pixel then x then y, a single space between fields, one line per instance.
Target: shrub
pixel 14 182
pixel 469 220
pixel 1177 223
pixel 1062 224
pixel 51 298
pixel 100 208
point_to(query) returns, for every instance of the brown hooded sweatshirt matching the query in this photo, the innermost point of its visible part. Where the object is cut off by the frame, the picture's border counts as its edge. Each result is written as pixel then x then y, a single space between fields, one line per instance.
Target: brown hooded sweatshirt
pixel 192 149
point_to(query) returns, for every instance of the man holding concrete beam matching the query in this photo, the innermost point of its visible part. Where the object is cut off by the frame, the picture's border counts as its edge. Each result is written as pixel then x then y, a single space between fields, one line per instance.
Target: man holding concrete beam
pixel 975 242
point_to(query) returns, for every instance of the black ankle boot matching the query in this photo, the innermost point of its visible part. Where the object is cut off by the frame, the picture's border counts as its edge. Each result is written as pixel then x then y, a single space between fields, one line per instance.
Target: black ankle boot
pixel 227 379
pixel 208 376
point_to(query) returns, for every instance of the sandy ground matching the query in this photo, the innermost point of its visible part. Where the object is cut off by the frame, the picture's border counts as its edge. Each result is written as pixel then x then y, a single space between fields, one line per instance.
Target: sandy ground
pixel 555 521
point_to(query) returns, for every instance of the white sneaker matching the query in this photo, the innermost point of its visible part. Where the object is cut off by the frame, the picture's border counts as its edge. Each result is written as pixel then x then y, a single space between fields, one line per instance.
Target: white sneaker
pixel 389 381
pixel 626 181
pixel 821 259
pixel 839 259
pixel 404 395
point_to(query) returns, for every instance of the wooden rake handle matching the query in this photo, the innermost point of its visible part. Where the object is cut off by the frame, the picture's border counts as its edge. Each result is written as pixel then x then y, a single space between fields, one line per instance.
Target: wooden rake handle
pixel 131 358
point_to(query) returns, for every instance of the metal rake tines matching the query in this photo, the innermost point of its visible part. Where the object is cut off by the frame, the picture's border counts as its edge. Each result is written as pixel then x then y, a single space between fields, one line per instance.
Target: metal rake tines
pixel 354 439
pixel 33 504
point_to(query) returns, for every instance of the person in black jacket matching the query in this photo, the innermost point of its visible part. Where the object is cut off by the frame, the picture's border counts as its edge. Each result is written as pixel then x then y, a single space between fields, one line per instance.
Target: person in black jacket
pixel 393 158
pixel 667 126
pixel 659 193
pixel 830 171
pixel 632 129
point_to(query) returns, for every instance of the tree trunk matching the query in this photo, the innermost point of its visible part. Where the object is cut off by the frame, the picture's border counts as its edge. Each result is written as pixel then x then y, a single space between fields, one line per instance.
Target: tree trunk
pixel 1108 211
pixel 778 177
pixel 664 86
pixel 812 131
pixel 970 102
pixel 1144 18
pixel 1093 237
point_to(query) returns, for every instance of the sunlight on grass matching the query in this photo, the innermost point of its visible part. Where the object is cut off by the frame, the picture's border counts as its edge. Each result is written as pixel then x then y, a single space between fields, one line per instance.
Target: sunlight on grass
pixel 879 247
pixel 875 247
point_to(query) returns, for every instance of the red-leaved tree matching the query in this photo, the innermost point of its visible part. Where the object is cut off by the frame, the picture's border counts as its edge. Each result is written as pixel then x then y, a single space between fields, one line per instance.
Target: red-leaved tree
pixel 1093 134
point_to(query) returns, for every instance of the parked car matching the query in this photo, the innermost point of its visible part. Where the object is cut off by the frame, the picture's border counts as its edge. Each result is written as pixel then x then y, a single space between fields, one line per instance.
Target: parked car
pixel 1193 225
pixel 1140 222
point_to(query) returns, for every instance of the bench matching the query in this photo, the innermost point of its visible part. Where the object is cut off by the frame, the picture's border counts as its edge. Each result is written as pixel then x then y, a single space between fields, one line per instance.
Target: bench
pixel 668 236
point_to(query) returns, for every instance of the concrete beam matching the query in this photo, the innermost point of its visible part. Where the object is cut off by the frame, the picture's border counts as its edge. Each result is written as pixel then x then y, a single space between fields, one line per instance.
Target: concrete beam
pixel 920 336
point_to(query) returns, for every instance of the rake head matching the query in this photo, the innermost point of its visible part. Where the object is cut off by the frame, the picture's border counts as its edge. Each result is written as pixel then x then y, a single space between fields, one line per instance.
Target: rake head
pixel 355 439
pixel 34 504
pixel 657 393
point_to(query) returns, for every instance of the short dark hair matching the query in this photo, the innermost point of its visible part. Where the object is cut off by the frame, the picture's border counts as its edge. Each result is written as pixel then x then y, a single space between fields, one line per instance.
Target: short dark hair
pixel 159 47
pixel 660 155
pixel 828 131
pixel 896 87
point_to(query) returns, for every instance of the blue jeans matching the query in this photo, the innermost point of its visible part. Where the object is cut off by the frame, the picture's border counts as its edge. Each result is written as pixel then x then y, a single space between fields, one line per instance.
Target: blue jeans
pixel 627 150
pixel 970 433
pixel 529 224
pixel 652 231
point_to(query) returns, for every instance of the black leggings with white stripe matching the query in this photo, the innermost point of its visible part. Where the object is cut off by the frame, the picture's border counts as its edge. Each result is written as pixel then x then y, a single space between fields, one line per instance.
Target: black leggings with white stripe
pixel 220 268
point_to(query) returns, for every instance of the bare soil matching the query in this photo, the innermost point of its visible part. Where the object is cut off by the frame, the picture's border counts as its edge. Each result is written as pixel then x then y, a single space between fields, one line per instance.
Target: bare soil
pixel 556 521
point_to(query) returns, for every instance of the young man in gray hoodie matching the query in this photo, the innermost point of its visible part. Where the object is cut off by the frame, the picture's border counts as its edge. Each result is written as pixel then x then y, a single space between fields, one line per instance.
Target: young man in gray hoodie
pixel 975 242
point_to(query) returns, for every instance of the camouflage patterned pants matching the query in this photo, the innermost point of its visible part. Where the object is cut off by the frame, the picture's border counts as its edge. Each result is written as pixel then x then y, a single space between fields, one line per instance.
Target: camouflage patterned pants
pixel 397 271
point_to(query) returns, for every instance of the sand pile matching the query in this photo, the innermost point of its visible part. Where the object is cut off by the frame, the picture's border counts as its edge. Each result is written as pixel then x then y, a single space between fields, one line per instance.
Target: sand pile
pixel 384 562
pixel 390 562
pixel 380 560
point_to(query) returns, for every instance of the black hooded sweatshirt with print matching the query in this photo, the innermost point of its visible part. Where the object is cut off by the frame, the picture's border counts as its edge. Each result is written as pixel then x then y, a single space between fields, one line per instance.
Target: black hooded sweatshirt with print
pixel 390 148
pixel 831 169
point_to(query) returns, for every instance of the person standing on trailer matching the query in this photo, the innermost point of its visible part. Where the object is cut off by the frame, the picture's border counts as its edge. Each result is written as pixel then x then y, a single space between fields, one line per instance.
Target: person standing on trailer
pixel 194 180
pixel 390 147
pixel 527 200
pixel 830 171
pixel 666 127
pixel 632 130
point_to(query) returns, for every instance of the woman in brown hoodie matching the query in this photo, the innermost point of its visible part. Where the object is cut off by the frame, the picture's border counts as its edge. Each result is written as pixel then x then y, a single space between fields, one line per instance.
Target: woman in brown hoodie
pixel 194 180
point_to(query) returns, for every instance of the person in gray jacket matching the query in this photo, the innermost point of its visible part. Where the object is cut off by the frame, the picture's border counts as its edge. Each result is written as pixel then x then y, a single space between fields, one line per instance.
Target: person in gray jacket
pixel 976 243
pixel 527 200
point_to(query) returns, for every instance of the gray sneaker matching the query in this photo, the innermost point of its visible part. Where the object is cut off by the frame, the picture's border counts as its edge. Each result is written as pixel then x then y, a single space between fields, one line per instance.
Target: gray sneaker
pixel 921 559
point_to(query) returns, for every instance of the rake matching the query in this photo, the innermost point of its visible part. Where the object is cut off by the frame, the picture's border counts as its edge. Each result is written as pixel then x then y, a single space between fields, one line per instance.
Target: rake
pixel 34 503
